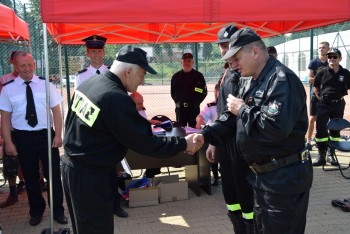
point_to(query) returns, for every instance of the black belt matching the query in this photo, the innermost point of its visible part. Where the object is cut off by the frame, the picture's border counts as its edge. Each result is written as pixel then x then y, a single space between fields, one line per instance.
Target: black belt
pixel 183 104
pixel 331 101
pixel 83 164
pixel 27 131
pixel 277 163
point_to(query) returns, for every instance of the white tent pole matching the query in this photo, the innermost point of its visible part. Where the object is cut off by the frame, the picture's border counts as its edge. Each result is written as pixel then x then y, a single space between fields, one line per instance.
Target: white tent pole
pixel 61 77
pixel 48 115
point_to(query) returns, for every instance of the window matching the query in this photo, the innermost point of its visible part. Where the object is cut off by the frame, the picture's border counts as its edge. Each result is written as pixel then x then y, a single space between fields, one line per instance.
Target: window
pixel 301 62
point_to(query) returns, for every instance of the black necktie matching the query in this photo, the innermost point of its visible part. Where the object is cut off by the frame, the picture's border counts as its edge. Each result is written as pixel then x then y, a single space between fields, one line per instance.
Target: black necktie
pixel 98 72
pixel 30 113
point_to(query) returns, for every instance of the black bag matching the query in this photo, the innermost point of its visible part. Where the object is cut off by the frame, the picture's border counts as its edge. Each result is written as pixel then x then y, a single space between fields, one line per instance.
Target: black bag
pixel 10 165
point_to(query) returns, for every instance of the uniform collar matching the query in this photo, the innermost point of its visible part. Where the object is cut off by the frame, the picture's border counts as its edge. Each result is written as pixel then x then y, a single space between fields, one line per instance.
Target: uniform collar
pixel 110 75
pixel 20 81
pixel 94 69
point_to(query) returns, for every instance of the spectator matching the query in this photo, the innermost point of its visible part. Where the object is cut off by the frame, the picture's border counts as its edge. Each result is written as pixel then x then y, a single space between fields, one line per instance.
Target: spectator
pixel 272 51
pixel 95 52
pixel 330 86
pixel 23 106
pixel 188 90
pixel 315 65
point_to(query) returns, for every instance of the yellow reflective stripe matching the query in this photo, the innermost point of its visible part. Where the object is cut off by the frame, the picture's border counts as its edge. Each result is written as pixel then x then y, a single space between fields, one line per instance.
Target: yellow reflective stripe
pixel 84 108
pixel 334 138
pixel 321 139
pixel 233 207
pixel 248 215
pixel 198 90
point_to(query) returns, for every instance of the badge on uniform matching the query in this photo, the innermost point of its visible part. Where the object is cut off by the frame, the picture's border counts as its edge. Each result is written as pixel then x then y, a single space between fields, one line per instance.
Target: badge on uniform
pixel 259 93
pixel 281 75
pixel 274 108
pixel 341 78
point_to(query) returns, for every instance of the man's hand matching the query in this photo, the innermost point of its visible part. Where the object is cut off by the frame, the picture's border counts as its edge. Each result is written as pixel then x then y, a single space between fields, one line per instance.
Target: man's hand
pixel 210 153
pixel 10 149
pixel 234 104
pixel 193 145
pixel 155 122
pixel 57 142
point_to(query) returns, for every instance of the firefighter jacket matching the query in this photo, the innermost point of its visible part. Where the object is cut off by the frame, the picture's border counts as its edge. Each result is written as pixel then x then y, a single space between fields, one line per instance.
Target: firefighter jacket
pixel 103 123
pixel 332 86
pixel 273 121
pixel 228 85
pixel 189 88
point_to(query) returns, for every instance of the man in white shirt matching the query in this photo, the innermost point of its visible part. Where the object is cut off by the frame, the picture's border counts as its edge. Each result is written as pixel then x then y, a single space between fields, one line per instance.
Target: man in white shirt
pixel 95 52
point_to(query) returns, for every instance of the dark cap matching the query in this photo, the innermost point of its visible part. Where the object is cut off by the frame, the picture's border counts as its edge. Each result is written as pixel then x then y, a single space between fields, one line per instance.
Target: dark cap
pixel 95 42
pixel 240 38
pixel 225 33
pixel 271 50
pixel 334 51
pixel 134 55
pixel 187 56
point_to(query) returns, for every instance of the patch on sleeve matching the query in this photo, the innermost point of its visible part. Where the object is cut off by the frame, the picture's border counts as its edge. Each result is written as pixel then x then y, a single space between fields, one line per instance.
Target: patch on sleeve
pixel 272 110
pixel 281 74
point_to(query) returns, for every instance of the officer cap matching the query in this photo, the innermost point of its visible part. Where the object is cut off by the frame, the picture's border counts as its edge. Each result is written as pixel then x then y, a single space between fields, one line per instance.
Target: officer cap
pixel 334 51
pixel 95 42
pixel 134 55
pixel 225 33
pixel 187 56
pixel 240 38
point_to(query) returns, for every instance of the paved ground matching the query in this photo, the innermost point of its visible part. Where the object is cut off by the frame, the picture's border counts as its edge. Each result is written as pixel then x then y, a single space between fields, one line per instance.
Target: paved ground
pixel 204 214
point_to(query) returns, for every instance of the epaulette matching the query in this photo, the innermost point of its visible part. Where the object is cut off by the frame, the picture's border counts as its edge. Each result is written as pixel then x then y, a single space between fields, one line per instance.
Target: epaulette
pixel 84 70
pixel 42 78
pixel 211 104
pixel 8 83
pixel 281 74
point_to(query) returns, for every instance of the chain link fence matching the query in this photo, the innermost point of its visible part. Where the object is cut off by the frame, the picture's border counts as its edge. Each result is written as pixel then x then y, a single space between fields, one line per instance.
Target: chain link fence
pixel 294 50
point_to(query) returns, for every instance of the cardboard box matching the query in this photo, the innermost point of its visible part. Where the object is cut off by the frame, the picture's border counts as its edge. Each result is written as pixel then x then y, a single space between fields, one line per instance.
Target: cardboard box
pixel 148 196
pixel 170 188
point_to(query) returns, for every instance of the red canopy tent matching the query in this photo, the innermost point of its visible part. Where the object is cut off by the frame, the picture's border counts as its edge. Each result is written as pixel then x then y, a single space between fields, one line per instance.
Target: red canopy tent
pixel 12 28
pixel 159 21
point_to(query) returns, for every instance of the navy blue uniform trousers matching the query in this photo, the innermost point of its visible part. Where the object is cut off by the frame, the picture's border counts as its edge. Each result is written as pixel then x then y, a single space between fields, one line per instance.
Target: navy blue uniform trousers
pixel 32 147
pixel 90 196
pixel 234 170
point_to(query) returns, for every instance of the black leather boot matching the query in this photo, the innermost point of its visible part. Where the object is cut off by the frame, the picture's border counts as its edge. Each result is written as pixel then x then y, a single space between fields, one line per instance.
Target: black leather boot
pixel 237 221
pixel 321 158
pixel 331 158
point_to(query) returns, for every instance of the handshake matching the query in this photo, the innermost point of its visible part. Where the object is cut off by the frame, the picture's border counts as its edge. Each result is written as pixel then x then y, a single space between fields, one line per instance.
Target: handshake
pixel 194 141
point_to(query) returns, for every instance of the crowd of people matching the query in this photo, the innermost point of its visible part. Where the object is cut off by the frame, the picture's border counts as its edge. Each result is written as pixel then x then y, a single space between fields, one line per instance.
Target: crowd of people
pixel 254 129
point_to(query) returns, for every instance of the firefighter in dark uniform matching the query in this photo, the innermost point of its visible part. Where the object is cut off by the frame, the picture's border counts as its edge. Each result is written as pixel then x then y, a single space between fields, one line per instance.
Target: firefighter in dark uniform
pixel 237 191
pixel 188 90
pixel 101 126
pixel 331 85
pixel 271 121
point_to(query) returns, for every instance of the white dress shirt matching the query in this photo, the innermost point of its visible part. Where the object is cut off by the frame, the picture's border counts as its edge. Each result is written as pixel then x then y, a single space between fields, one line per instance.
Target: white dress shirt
pixel 13 99
pixel 90 72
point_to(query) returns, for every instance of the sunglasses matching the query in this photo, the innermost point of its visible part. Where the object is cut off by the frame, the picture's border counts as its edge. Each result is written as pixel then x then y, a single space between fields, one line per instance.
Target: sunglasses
pixel 332 56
